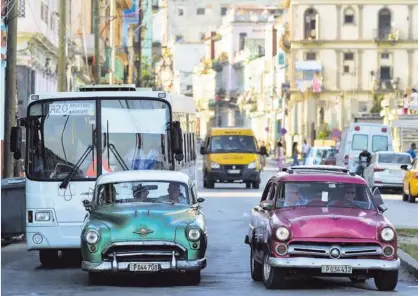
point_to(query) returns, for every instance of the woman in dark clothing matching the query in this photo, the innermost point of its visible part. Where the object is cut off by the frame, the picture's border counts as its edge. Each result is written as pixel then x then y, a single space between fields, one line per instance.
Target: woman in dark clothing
pixel 263 155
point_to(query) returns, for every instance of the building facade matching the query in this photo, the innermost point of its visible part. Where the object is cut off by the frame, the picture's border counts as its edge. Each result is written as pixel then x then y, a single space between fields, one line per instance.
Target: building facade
pixel 3 56
pixel 344 57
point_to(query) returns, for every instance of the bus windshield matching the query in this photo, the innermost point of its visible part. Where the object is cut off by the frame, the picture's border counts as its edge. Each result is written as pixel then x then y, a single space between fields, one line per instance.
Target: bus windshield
pixel 133 136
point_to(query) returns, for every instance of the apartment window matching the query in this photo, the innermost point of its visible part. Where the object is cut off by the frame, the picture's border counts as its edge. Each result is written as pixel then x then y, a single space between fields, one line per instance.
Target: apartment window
pixel 346 69
pixel 52 24
pixel 349 16
pixel 44 12
pixel 200 11
pixel 179 38
pixel 310 56
pixel 384 56
pixel 242 37
pixel 202 36
pixel 180 11
pixel 348 56
pixel 224 10
pixel 385 73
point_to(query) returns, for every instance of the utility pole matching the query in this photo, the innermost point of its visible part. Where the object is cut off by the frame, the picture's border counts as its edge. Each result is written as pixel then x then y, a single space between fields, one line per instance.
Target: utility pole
pixel 62 43
pixel 96 18
pixel 139 57
pixel 10 99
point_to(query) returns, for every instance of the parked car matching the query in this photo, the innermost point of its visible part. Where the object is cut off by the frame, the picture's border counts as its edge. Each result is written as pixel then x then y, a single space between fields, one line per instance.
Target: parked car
pixel 410 181
pixel 329 157
pixel 321 221
pixel 144 221
pixel 317 155
pixel 384 170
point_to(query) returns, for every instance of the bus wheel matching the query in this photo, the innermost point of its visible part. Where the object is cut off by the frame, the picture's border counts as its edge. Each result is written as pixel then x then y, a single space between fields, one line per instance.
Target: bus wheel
pixel 48 258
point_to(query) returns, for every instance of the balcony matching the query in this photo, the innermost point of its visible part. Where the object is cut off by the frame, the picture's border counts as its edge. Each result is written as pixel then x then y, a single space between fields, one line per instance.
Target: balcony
pixel 386 35
pixel 383 86
pixel 309 76
pixel 248 15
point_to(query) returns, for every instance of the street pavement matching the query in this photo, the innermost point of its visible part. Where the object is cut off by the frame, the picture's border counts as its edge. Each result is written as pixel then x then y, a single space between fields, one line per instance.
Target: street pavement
pixel 227 210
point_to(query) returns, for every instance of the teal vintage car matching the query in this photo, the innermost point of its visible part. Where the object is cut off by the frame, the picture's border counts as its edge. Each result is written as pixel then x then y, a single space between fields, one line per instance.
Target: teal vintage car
pixel 144 221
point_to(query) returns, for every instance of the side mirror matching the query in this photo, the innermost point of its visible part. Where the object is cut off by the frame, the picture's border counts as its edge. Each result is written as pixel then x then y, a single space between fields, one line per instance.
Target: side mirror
pixel 202 150
pixel 404 167
pixel 266 205
pixel 200 200
pixel 16 142
pixel 87 205
pixel 177 140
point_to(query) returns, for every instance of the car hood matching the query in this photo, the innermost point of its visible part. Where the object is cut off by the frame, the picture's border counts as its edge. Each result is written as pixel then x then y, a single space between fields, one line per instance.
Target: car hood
pixel 161 220
pixel 321 222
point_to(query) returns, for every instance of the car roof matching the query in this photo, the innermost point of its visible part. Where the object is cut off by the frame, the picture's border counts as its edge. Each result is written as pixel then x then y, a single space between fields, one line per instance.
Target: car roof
pixel 391 152
pixel 143 175
pixel 320 173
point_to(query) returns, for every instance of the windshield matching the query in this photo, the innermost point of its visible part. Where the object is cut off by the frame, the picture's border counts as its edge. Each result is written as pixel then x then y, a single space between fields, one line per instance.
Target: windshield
pixel 394 158
pixel 59 133
pixel 323 194
pixel 142 192
pixel 236 143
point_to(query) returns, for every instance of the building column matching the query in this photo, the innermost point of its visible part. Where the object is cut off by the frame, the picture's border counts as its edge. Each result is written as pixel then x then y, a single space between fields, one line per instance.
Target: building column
pixel 410 18
pixel 339 22
pixel 360 69
pixel 410 66
pixel 339 70
pixel 360 22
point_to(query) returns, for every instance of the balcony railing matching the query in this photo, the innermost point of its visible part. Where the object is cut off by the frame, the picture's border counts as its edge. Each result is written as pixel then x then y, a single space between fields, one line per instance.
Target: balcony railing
pixel 386 34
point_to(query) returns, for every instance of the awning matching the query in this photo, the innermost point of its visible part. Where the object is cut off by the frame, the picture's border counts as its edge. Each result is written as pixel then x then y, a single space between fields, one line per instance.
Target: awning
pixel 308 66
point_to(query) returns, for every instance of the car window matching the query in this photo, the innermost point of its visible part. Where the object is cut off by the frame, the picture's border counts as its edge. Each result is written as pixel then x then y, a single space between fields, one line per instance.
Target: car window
pixel 380 143
pixel 324 194
pixel 266 191
pixel 360 142
pixel 193 193
pixel 272 192
pixel 394 158
pixel 142 192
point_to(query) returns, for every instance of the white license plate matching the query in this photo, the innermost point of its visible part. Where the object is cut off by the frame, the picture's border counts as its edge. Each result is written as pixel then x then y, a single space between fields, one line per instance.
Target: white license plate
pixel 336 269
pixel 147 267
pixel 234 171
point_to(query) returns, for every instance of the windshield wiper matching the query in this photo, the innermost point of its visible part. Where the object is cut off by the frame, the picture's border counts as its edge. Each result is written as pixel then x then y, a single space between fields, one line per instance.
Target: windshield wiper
pixel 67 179
pixel 118 157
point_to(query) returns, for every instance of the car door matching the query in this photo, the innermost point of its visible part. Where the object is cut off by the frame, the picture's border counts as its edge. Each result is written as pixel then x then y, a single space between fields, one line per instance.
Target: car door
pixel 257 220
pixel 408 175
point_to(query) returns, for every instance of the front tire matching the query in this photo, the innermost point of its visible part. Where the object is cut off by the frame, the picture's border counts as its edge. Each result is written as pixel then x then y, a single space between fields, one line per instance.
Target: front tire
pixel 48 258
pixel 256 185
pixel 192 278
pixel 411 198
pixel 386 280
pixel 95 278
pixel 273 277
pixel 256 268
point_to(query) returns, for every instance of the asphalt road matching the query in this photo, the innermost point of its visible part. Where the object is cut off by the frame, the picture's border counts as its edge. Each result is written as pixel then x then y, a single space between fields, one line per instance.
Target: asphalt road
pixel 228 271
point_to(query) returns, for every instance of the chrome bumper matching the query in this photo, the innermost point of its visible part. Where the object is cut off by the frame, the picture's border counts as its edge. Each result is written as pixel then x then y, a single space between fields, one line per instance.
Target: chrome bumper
pixel 173 265
pixel 356 264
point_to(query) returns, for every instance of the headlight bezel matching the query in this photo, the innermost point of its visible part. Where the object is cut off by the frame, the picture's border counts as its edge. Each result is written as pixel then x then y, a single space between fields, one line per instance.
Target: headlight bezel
pixel 87 234
pixel 215 165
pixel 199 231
pixel 252 165
pixel 279 229
pixel 390 229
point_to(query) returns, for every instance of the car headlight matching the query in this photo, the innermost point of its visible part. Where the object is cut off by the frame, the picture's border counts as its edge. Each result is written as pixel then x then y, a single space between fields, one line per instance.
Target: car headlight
pixel 92 237
pixel 194 234
pixel 43 216
pixel 387 234
pixel 214 165
pixel 282 233
pixel 252 165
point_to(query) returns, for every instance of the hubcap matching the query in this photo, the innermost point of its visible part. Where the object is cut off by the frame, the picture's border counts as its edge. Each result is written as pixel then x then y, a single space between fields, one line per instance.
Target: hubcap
pixel 266 268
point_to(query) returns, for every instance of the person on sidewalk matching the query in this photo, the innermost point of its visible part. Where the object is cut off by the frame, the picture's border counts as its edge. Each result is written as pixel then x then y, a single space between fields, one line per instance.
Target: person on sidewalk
pixel 305 149
pixel 263 155
pixel 295 154
pixel 405 104
pixel 413 103
pixel 411 151
pixel 280 156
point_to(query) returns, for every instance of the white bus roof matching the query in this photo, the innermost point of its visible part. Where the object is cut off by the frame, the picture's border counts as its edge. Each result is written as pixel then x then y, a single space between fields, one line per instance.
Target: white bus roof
pixel 179 103
pixel 145 175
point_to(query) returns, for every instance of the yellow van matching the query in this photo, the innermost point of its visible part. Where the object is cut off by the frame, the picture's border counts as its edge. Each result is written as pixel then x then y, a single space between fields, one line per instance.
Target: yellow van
pixel 231 155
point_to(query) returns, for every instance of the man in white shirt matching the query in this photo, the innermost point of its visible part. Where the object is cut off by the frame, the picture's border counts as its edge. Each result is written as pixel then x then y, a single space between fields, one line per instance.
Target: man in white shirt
pixel 305 149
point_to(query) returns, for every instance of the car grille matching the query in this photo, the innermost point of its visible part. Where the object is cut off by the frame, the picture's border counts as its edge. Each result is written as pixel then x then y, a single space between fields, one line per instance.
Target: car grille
pixel 344 250
pixel 148 253
pixel 227 168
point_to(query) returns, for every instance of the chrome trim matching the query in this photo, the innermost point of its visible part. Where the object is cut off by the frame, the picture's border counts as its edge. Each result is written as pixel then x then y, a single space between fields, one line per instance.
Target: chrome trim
pixel 325 251
pixel 277 249
pixel 114 263
pixel 356 264
pixel 173 261
pixel 188 265
pixel 143 253
pixel 143 243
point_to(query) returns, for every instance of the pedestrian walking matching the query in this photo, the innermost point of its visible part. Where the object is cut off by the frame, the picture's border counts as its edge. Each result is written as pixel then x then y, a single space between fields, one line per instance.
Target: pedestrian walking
pixel 295 154
pixel 280 156
pixel 263 155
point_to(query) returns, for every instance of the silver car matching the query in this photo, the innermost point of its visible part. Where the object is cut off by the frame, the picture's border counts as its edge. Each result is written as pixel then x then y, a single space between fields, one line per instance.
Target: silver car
pixel 384 170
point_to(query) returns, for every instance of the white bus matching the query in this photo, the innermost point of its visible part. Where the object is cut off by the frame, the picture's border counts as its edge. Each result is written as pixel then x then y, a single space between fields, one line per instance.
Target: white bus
pixel 138 130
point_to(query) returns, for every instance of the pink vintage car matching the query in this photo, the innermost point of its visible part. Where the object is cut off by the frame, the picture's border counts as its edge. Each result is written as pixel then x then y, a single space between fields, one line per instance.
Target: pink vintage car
pixel 321 221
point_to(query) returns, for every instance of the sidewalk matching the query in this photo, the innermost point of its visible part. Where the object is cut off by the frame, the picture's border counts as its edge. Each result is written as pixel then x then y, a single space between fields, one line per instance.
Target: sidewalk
pixel 408 249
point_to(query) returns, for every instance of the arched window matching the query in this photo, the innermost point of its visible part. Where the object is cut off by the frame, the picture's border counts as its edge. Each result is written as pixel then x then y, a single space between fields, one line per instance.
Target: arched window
pixel 349 16
pixel 385 23
pixel 310 24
